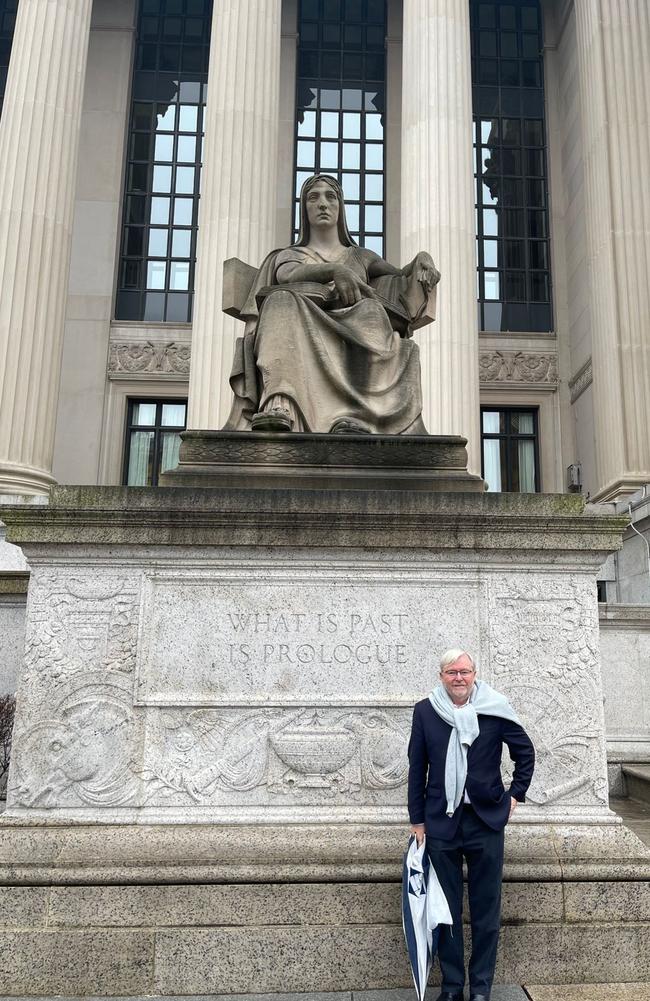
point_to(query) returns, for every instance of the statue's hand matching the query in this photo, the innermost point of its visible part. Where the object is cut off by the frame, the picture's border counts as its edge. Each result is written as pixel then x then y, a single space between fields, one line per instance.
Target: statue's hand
pixel 347 285
pixel 426 273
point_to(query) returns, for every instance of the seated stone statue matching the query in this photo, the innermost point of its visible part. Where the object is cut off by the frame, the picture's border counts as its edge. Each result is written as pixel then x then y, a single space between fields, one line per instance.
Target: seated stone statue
pixel 327 346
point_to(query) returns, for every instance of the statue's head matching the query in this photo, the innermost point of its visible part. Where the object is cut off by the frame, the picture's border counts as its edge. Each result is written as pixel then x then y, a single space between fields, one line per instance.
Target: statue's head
pixel 305 228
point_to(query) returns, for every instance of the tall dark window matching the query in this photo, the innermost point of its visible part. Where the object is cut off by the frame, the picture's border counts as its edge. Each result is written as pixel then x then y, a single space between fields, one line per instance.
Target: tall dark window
pixel 340 107
pixel 513 266
pixel 8 10
pixel 152 439
pixel 156 276
pixel 510 449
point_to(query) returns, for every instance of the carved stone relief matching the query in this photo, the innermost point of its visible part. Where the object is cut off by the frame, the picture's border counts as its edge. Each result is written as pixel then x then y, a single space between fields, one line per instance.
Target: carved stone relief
pixel 341 450
pixel 79 623
pixel 96 751
pixel 544 657
pixel 83 752
pixel 303 756
pixel 147 358
pixel 518 367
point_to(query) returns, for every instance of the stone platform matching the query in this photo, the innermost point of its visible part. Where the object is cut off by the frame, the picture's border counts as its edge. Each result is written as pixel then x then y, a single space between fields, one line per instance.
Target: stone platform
pixel 207 792
pixel 305 461
pixel 500 992
pixel 208 910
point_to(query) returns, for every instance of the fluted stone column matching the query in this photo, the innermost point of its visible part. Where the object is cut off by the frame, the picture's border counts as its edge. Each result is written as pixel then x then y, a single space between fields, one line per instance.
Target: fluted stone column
pixel 39 140
pixel 438 207
pixel 614 69
pixel 237 213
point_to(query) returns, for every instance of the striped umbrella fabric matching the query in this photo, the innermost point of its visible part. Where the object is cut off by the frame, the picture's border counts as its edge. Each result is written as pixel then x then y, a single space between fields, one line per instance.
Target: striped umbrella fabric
pixel 424 908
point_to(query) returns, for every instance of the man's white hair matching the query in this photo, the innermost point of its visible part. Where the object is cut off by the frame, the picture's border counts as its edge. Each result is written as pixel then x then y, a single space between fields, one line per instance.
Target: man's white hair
pixel 451 656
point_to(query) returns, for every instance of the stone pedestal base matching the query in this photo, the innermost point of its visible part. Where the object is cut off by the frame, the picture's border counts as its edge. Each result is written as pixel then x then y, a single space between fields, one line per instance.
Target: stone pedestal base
pixel 298 461
pixel 221 682
pixel 228 910
pixel 236 656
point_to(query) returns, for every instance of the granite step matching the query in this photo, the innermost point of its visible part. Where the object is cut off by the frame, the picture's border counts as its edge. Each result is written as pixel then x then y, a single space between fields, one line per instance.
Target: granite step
pixel 502 992
pixel 588 992
pixel 637 781
pixel 635 815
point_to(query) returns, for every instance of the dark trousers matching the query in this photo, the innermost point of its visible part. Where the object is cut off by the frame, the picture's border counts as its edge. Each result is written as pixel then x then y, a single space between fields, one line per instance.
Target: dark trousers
pixel 483 850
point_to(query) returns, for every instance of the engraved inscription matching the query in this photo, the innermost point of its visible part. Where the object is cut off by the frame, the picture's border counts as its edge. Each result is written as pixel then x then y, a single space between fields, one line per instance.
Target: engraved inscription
pixel 225 642
pixel 290 626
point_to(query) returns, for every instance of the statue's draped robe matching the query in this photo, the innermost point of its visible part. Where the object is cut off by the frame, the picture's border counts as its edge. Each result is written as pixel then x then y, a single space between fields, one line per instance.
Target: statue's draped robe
pixel 331 364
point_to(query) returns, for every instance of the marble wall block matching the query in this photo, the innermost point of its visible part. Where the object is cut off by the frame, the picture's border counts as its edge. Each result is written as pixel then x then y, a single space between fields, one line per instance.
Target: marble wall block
pixel 625 650
pixel 12 638
pixel 194 686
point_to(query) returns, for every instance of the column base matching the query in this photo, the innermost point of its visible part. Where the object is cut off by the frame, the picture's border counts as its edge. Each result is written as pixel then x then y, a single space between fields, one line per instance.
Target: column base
pixel 18 479
pixel 620 488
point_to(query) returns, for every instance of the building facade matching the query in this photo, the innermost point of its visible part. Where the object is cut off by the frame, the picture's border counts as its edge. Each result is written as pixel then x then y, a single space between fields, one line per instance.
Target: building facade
pixel 144 142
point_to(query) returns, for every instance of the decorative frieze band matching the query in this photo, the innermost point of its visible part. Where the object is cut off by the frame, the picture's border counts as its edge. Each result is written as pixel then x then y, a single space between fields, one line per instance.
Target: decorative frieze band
pixel 581 380
pixel 171 359
pixel 518 367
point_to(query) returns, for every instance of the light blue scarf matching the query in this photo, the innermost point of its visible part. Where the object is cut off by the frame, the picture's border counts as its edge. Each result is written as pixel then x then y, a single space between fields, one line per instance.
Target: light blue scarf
pixel 483 700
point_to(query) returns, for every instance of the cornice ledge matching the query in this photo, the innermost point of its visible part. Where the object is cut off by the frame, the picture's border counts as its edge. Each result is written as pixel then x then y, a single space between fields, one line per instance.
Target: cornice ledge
pixel 624 616
pixel 477 530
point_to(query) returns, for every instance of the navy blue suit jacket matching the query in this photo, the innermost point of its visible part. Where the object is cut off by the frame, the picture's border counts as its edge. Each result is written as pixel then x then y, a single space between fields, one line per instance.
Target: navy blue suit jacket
pixel 427 752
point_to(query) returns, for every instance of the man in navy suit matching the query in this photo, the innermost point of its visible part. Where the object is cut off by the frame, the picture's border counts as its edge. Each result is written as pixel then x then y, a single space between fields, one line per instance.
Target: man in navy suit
pixel 457 798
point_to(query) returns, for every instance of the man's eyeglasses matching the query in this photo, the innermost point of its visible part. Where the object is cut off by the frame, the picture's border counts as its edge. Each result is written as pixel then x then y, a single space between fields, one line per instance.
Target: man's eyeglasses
pixel 460 674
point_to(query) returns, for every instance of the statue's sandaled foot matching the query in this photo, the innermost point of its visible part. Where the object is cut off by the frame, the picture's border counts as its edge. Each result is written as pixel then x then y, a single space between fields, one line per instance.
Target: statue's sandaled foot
pixel 274 419
pixel 348 425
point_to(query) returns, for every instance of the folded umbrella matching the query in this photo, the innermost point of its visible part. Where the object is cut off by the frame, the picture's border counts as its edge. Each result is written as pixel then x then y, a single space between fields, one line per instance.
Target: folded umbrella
pixel 424 908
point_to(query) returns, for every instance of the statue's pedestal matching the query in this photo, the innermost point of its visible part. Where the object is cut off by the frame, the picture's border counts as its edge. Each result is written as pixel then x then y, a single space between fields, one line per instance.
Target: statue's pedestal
pixel 207 792
pixel 300 461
